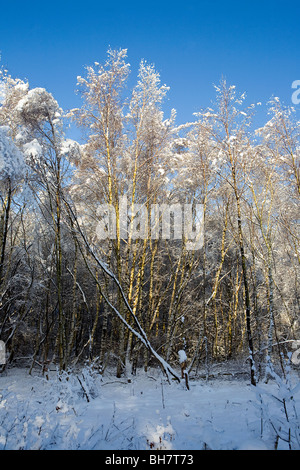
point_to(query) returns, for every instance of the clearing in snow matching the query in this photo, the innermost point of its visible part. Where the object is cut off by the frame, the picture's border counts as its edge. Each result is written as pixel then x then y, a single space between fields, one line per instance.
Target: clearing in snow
pixel 84 410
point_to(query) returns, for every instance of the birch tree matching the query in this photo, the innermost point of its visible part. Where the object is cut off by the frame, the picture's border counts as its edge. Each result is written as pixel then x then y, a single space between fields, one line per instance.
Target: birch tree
pixel 228 132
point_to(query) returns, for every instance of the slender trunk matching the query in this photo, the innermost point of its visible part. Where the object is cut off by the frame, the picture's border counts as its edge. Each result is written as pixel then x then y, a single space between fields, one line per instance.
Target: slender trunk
pixel 247 299
pixel 4 227
pixel 244 270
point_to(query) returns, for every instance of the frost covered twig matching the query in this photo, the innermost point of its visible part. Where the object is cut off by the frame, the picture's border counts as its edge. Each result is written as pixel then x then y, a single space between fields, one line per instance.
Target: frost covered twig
pixel 285 423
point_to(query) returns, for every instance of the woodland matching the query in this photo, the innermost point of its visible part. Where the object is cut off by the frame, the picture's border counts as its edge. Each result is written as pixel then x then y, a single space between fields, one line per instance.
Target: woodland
pixel 67 297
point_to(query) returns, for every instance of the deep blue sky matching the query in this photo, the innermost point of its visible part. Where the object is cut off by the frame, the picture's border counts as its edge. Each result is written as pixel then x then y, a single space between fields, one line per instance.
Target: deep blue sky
pixel 254 45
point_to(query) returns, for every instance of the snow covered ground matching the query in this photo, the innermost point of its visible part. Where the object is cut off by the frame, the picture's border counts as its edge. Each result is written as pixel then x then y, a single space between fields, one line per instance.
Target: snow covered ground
pixel 87 411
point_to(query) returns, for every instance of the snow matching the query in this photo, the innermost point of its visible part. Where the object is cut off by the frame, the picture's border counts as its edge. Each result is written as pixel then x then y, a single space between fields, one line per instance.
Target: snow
pixel 182 356
pixel 11 159
pixel 2 92
pixel 38 104
pixel 71 149
pixel 32 149
pixel 85 410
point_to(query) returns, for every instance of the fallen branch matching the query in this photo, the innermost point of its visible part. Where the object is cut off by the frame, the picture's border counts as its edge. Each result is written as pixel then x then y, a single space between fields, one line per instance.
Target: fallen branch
pixel 84 390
